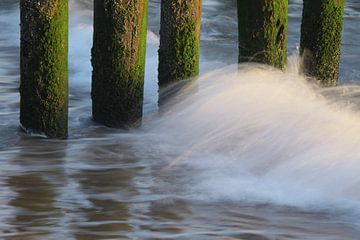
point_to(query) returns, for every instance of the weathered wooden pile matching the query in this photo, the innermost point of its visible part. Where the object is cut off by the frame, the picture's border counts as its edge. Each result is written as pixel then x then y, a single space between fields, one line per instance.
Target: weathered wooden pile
pixel 119 47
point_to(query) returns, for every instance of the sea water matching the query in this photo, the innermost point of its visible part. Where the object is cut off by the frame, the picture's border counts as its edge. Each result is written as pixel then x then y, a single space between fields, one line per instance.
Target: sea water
pixel 244 152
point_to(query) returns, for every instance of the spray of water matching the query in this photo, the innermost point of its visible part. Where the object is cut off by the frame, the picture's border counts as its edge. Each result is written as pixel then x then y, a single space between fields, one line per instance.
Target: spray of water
pixel 253 133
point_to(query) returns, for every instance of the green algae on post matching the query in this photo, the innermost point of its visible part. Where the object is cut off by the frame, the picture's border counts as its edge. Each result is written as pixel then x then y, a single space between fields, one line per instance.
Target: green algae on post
pixel 44 67
pixel 118 60
pixel 263 26
pixel 179 40
pixel 320 43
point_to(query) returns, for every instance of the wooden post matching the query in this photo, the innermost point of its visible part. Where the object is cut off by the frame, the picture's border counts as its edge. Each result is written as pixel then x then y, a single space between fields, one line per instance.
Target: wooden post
pixel 321 39
pixel 118 60
pixel 179 40
pixel 44 67
pixel 263 31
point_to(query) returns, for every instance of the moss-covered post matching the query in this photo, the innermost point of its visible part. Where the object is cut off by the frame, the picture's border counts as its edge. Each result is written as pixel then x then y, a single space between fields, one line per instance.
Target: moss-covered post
pixel 263 31
pixel 44 67
pixel 118 60
pixel 321 39
pixel 179 40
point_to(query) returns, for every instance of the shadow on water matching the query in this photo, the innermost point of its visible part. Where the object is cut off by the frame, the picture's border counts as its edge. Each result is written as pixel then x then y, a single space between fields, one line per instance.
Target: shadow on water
pixel 38 174
pixel 169 217
pixel 105 179
pixel 106 216
pixel 34 210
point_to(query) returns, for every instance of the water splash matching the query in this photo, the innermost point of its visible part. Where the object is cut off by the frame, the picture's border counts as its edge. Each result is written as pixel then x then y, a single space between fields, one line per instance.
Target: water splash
pixel 253 133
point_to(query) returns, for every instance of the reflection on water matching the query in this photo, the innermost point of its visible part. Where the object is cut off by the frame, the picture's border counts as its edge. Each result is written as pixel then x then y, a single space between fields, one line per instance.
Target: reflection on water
pixel 206 169
pixel 35 213
pixel 105 216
